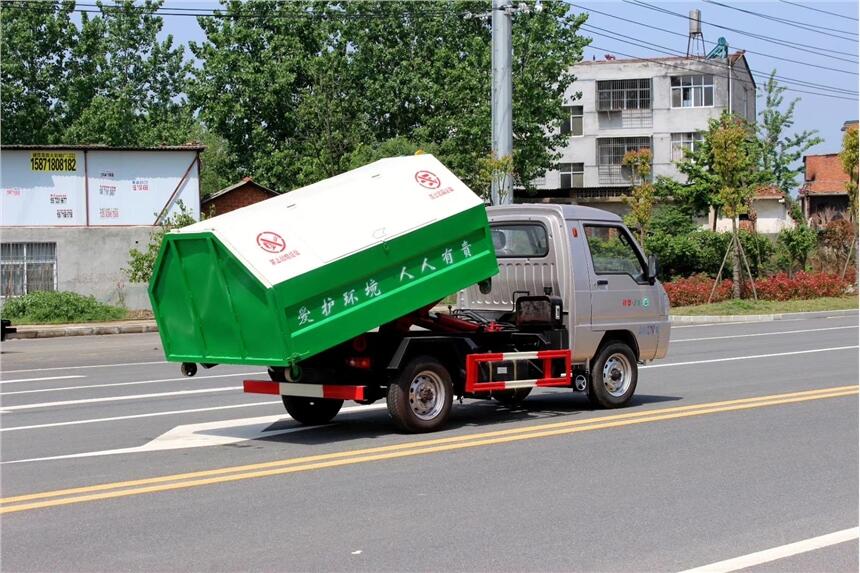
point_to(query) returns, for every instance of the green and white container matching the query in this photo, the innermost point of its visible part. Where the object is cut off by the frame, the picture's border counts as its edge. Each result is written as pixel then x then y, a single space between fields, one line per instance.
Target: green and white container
pixel 279 281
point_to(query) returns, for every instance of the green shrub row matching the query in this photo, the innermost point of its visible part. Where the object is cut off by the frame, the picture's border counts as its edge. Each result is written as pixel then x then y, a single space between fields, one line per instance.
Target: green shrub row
pixel 58 307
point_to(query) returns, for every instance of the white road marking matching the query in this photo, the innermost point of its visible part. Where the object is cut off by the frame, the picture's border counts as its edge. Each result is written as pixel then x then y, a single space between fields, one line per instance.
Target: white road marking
pixel 220 433
pixel 734 323
pixel 731 358
pixel 116 398
pixel 137 416
pixel 764 333
pixel 41 379
pixel 182 379
pixel 88 366
pixel 781 552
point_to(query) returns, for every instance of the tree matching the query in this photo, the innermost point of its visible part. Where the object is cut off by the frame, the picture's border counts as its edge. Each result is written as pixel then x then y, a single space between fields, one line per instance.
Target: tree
pixel 780 154
pixel 798 242
pixel 494 170
pixel 849 158
pixel 141 263
pixel 734 161
pixel 299 88
pixel 34 44
pixel 642 196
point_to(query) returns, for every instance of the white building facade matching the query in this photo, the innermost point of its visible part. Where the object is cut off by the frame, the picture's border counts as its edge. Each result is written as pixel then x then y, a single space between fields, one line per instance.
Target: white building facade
pixel 661 104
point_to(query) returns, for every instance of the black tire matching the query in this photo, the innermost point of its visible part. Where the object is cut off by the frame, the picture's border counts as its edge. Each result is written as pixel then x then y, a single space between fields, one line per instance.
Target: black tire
pixel 511 397
pixel 311 411
pixel 614 374
pixel 424 377
pixel 307 411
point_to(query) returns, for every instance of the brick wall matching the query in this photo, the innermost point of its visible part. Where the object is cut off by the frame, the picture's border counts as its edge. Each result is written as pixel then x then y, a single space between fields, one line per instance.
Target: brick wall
pixel 235 199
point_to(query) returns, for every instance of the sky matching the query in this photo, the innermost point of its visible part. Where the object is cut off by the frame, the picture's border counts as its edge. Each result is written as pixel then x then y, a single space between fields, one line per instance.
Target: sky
pixel 626 29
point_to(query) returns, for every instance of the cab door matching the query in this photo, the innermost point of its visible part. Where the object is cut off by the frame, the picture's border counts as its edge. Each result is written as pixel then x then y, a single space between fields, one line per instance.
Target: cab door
pixel 622 297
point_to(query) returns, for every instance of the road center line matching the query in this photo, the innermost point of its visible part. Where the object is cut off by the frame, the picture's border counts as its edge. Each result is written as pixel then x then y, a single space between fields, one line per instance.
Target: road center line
pixel 750 357
pixel 780 552
pixel 41 379
pixel 116 398
pixel 336 459
pixel 763 334
pixel 182 379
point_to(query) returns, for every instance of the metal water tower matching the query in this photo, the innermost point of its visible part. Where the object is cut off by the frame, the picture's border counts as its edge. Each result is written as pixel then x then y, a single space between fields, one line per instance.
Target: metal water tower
pixel 695 39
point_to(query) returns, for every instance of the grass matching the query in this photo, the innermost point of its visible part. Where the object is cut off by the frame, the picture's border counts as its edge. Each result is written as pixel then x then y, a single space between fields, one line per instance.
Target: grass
pixel 746 306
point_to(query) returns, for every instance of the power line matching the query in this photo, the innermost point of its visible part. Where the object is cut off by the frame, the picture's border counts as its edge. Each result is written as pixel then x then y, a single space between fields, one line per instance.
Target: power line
pixel 668 31
pixel 667 64
pixel 809 27
pixel 669 51
pixel 795 45
pixel 819 10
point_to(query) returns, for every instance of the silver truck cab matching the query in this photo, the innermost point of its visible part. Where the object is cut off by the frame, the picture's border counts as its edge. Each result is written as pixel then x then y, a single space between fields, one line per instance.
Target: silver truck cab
pixel 588 258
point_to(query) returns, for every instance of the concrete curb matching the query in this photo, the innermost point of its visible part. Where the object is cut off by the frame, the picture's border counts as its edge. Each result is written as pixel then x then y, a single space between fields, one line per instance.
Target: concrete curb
pixel 759 317
pixel 57 330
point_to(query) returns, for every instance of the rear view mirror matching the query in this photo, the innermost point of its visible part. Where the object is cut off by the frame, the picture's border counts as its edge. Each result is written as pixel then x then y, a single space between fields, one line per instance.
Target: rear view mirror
pixel 652 268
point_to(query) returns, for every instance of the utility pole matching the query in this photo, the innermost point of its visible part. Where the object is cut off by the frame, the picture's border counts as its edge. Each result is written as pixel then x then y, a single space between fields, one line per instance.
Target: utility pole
pixel 503 141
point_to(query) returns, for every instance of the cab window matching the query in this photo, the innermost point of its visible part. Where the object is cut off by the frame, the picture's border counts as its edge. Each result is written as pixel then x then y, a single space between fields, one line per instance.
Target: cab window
pixel 613 252
pixel 520 240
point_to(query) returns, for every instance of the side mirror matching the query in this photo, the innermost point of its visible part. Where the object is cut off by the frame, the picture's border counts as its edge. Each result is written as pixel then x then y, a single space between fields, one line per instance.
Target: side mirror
pixel 652 268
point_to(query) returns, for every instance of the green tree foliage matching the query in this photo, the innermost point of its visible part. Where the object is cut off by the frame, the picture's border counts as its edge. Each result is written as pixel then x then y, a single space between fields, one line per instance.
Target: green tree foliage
pixel 780 153
pixel 108 79
pixel 798 243
pixel 301 89
pixel 642 196
pixel 849 158
pixel 141 263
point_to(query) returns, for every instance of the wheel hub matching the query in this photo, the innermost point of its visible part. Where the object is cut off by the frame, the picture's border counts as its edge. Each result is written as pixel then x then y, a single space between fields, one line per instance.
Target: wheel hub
pixel 617 374
pixel 425 395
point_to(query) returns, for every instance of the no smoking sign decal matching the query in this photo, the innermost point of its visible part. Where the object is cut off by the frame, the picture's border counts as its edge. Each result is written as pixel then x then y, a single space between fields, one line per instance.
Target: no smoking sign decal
pixel 271 242
pixel 427 180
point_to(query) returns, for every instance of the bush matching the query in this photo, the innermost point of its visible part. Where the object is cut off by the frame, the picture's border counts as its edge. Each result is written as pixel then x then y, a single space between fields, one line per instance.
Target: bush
pixel 703 251
pixel 798 243
pixel 695 289
pixel 58 307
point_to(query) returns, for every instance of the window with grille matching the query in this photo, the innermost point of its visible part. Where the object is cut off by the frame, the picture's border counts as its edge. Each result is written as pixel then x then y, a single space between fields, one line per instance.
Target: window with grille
pixel 693 91
pixel 615 95
pixel 571 175
pixel 27 267
pixel 573 122
pixel 610 154
pixel 681 141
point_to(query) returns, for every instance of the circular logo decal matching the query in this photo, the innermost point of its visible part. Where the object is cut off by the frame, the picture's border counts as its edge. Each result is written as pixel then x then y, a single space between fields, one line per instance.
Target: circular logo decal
pixel 271 242
pixel 427 180
pixel 645 302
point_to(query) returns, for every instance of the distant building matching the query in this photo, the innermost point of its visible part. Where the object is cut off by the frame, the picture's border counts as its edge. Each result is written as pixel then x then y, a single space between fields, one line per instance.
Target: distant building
pixel 245 192
pixel 823 196
pixel 69 214
pixel 771 214
pixel 660 104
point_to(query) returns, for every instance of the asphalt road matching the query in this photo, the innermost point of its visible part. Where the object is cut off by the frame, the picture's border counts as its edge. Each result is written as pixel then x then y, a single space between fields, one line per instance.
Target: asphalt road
pixel 743 440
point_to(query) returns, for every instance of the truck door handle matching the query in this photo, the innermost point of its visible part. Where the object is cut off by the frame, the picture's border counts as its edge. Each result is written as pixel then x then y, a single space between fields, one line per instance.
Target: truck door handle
pixel 602 282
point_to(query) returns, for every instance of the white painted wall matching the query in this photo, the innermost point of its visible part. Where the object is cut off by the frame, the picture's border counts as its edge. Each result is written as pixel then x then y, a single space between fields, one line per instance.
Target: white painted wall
pixel 772 217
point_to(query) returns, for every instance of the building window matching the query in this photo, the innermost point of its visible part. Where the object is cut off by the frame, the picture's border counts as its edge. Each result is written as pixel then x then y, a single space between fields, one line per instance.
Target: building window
pixel 27 267
pixel 693 91
pixel 573 123
pixel 610 154
pixel 681 141
pixel 614 95
pixel 571 175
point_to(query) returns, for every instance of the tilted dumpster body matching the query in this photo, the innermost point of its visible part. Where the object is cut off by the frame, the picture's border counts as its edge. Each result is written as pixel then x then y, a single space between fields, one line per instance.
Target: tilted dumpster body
pixel 285 279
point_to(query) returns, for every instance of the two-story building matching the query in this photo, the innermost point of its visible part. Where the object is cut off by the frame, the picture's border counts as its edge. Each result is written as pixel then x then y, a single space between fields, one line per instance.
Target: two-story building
pixel 662 104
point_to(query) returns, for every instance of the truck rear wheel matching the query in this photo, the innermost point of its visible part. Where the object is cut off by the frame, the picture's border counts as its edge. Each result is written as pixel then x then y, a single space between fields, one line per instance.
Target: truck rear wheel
pixel 613 376
pixel 311 411
pixel 419 400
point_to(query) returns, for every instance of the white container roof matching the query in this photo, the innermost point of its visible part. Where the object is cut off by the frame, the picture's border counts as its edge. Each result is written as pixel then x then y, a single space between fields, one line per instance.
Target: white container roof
pixel 297 232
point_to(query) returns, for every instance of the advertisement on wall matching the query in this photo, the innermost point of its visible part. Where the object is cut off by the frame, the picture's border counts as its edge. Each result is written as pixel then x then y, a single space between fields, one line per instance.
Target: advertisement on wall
pixel 96 187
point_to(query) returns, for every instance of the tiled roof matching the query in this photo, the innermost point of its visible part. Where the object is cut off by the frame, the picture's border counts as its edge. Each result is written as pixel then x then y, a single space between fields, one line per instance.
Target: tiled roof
pixel 242 183
pixel 824 175
pixel 769 192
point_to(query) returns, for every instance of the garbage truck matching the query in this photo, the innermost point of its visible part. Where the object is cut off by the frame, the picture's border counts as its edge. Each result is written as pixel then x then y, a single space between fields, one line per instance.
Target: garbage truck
pixel 336 289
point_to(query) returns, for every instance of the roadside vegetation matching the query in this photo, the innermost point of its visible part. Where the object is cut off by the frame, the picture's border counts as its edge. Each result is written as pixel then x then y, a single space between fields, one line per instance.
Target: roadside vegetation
pixel 59 308
pixel 746 306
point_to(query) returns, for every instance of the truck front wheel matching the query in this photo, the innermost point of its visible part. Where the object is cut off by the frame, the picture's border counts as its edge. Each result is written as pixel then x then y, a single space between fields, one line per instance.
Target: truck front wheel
pixel 419 399
pixel 613 376
pixel 311 411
